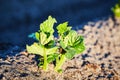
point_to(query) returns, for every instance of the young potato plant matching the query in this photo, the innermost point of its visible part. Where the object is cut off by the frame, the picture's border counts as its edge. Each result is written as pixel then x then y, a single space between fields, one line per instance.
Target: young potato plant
pixel 116 10
pixel 70 44
pixel 45 45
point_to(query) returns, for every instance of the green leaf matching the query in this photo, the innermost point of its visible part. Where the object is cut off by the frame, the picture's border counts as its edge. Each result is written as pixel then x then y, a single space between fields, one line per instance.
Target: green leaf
pixel 71 37
pixel 37 36
pixel 70 54
pixel 63 43
pixel 44 39
pixel 79 48
pixel 78 40
pixel 41 62
pixel 72 44
pixel 116 10
pixel 38 49
pixel 51 50
pixel 47 26
pixel 69 40
pixel 51 57
pixel 50 44
pixel 35 49
pixel 62 28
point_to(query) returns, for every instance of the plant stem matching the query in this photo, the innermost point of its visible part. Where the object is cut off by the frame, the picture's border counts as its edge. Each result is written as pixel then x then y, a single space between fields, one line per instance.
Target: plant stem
pixel 60 63
pixel 45 65
pixel 57 60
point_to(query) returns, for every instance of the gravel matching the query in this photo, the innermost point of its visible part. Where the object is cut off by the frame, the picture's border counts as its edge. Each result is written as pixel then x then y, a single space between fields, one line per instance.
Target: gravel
pixel 100 60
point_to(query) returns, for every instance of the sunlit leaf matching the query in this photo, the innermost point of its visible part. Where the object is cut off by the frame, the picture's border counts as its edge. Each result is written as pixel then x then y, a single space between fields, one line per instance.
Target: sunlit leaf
pixel 47 26
pixel 52 57
pixel 51 50
pixel 70 54
pixel 37 36
pixel 35 49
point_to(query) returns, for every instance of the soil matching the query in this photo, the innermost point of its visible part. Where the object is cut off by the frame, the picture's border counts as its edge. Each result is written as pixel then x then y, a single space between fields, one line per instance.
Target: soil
pixel 100 60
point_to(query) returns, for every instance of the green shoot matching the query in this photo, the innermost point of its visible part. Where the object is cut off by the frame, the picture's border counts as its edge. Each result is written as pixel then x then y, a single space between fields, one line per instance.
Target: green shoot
pixel 116 9
pixel 70 44
pixel 45 45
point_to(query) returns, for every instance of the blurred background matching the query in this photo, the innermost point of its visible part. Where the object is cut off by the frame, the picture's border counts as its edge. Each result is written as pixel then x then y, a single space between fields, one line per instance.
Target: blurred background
pixel 19 18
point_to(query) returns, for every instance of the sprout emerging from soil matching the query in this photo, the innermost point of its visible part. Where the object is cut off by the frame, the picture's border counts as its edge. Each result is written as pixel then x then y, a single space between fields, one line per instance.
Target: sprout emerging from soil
pixel 116 10
pixel 45 45
pixel 70 44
